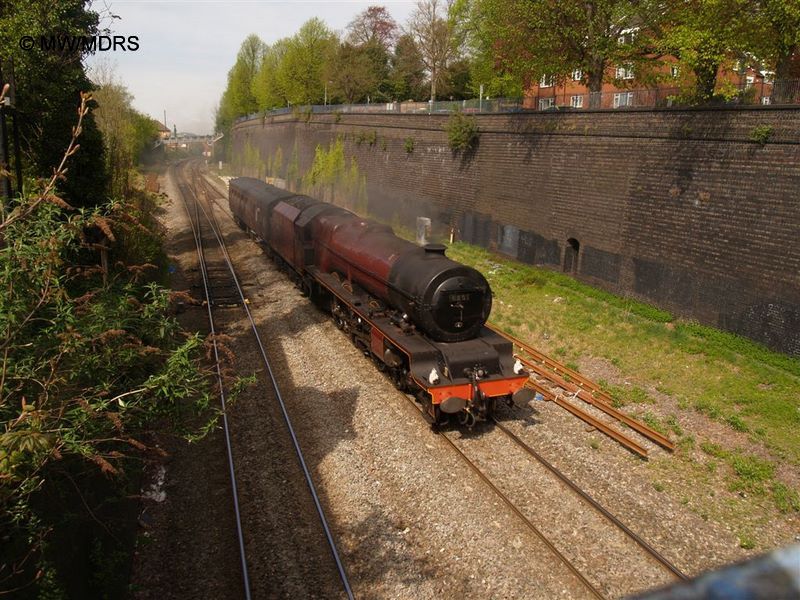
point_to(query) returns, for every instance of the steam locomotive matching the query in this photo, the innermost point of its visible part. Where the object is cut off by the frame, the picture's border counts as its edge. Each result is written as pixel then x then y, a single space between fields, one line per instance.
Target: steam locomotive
pixel 417 313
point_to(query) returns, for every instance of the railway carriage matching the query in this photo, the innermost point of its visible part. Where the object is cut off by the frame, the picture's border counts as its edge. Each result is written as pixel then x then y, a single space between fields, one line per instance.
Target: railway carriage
pixel 420 315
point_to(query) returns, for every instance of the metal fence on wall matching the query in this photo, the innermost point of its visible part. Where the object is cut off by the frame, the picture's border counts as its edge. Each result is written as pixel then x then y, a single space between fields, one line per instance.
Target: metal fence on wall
pixel 779 92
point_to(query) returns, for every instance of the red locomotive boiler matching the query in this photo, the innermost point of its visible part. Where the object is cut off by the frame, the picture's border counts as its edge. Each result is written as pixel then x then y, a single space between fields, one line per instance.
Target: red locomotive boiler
pixel 417 313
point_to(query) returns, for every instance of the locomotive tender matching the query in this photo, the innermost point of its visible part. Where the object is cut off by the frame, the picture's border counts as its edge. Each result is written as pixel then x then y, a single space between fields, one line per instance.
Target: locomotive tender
pixel 417 313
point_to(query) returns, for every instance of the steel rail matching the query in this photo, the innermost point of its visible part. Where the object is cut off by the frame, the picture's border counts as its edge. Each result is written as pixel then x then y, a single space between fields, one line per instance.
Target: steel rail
pixel 507 501
pixel 618 436
pixel 206 289
pixel 594 503
pixel 276 389
pixel 585 389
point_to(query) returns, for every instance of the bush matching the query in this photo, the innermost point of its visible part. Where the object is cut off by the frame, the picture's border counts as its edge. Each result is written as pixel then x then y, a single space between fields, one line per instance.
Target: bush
pixel 462 132
pixel 90 360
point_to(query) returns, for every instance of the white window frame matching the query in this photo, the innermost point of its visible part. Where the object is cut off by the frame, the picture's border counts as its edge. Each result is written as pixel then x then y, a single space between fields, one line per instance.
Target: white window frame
pixel 547 81
pixel 625 72
pixel 674 71
pixel 545 103
pixel 750 81
pixel 765 100
pixel 576 101
pixel 627 36
pixel 577 75
pixel 622 99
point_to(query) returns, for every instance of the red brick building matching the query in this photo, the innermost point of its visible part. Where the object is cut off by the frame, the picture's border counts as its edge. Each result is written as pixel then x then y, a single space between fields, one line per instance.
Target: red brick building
pixel 621 89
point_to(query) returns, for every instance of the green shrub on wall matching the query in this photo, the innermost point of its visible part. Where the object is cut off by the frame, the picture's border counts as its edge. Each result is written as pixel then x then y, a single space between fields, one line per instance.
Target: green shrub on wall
pixel 462 132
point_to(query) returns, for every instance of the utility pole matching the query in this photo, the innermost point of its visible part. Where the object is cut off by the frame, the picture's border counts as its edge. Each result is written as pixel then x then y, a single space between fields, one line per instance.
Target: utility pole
pixel 5 180
pixel 12 94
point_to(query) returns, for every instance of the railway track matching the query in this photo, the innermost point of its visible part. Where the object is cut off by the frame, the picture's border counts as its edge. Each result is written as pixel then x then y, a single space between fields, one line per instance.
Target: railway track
pixel 578 386
pixel 585 580
pixel 592 587
pixel 222 289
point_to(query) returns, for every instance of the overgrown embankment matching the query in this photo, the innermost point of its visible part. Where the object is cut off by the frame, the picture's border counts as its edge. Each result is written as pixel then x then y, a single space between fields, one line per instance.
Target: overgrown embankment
pixel 92 363
pixel 732 405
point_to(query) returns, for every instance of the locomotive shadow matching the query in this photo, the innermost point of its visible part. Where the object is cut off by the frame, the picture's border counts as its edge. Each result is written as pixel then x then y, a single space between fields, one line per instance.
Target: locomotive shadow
pixel 372 547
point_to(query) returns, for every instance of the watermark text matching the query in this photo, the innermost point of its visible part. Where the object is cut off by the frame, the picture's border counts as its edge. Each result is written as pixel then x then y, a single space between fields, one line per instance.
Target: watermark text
pixel 80 43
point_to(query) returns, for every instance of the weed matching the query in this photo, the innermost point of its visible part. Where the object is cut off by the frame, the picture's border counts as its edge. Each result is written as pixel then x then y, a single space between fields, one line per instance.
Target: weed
pixel 686 443
pixel 761 134
pixel 713 449
pixel 658 486
pixel 654 422
pixel 672 423
pixel 594 444
pixel 786 499
pixel 337 116
pixel 383 144
pixel 408 145
pixel 751 472
pixel 629 394
pixel 747 541
pixel 735 421
pixel 462 132
pixel 711 466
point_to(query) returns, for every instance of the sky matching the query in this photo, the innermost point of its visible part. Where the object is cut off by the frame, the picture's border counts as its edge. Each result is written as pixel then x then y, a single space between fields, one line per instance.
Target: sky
pixel 186 47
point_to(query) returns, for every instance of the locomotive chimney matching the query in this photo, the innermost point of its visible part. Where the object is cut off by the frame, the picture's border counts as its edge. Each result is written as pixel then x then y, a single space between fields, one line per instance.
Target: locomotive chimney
pixel 435 249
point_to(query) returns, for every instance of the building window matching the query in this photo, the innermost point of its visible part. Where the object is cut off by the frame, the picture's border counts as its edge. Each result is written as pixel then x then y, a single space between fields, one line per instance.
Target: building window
pixel 750 80
pixel 674 71
pixel 547 81
pixel 545 103
pixel 625 72
pixel 576 101
pixel 623 99
pixel 577 75
pixel 766 100
pixel 627 36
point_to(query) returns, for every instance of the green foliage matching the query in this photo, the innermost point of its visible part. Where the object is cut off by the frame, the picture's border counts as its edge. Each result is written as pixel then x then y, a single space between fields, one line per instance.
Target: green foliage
pixel 761 134
pixel 127 133
pixel 462 132
pixel 268 87
pixel 368 136
pixel 332 178
pixel 736 423
pixel 90 357
pixel 302 67
pixel 747 541
pixel 240 97
pixel 786 500
pixel 48 93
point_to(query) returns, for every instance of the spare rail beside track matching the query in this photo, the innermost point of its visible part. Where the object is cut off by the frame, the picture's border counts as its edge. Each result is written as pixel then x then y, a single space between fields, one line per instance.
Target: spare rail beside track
pixel 585 389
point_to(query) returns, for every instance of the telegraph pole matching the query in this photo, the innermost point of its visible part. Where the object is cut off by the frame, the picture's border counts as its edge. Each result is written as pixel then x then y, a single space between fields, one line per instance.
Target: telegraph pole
pixel 5 180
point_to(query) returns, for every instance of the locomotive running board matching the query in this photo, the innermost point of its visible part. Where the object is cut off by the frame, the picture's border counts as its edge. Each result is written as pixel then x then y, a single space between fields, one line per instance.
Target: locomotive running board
pixel 423 355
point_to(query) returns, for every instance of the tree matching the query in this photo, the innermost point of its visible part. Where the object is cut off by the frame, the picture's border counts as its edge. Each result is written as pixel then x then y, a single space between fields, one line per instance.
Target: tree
pixel 407 71
pixel 703 35
pixel 267 88
pixel 434 36
pixel 351 73
pixel 239 98
pixel 126 132
pixel 301 71
pixel 48 88
pixel 534 38
pixel 374 24
pixel 242 75
pixel 779 39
